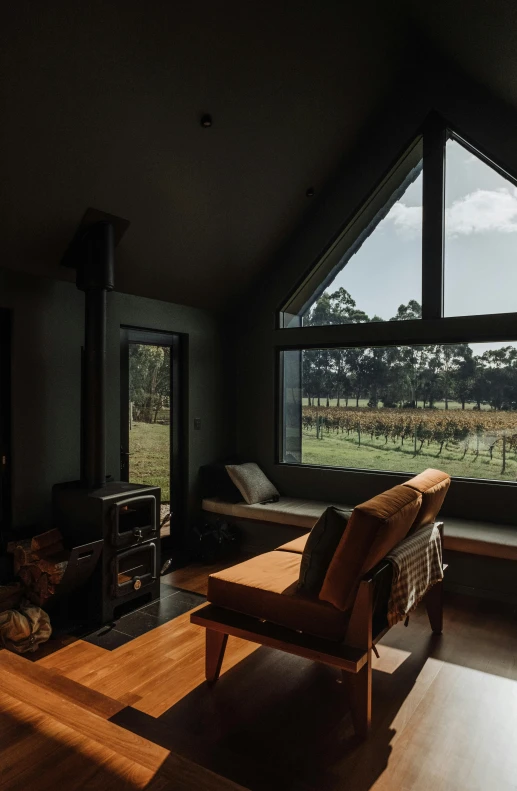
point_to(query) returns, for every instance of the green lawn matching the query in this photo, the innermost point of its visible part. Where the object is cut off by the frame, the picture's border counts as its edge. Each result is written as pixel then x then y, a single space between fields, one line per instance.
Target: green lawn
pixel 149 456
pixel 342 451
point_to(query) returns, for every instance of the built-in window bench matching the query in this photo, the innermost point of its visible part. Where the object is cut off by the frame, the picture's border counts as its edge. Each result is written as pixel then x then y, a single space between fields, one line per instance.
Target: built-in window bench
pixel 481 538
pixel 491 572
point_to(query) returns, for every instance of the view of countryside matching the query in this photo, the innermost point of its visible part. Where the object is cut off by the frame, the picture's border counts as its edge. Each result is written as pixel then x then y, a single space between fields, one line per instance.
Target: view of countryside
pixel 397 408
pixel 404 408
pixel 149 422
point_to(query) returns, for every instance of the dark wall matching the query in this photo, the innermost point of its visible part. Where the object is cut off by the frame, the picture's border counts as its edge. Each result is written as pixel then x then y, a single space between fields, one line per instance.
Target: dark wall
pixel 48 333
pixel 493 126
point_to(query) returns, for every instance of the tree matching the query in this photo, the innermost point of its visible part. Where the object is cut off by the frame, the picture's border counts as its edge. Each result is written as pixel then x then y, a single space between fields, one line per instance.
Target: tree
pixel 413 310
pixel 149 380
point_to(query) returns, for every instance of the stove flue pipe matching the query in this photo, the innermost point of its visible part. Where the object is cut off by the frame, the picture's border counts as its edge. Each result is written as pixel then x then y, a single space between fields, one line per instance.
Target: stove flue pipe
pixel 95 276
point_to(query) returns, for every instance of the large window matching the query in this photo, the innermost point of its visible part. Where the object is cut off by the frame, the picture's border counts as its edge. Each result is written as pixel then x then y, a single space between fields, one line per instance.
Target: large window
pixel 399 350
pixel 404 408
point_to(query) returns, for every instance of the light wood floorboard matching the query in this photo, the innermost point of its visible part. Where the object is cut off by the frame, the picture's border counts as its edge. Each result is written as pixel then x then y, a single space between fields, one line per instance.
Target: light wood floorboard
pixel 444 711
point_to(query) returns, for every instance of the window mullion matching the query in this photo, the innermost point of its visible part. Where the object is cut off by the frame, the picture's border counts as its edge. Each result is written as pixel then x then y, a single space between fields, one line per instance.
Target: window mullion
pixel 433 199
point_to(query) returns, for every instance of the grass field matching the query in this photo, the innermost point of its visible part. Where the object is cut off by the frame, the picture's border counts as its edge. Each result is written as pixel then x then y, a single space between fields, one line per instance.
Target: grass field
pixel 149 456
pixel 340 450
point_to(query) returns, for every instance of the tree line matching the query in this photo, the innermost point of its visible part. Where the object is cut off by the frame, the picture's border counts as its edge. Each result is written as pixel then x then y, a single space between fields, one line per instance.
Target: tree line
pixel 403 376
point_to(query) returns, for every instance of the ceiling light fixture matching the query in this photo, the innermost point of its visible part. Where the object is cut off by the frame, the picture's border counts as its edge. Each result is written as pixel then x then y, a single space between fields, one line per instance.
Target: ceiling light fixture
pixel 206 121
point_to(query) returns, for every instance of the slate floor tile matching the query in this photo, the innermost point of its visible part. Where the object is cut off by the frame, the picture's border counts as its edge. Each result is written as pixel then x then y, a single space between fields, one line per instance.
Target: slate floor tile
pixel 108 638
pixel 166 609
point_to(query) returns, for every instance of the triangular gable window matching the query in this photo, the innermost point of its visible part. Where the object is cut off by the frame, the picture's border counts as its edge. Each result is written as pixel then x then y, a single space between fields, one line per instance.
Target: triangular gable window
pixel 373 272
pixel 445 250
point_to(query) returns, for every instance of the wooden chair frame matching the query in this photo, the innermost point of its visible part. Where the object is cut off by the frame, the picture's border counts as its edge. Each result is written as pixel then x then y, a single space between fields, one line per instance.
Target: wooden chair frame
pixel 353 656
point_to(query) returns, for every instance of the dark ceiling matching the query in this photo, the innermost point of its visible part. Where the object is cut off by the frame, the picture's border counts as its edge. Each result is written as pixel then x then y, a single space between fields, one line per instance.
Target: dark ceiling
pixel 102 102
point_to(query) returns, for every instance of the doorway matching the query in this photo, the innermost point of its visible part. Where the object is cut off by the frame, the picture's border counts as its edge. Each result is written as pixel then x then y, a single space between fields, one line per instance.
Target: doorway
pixel 151 422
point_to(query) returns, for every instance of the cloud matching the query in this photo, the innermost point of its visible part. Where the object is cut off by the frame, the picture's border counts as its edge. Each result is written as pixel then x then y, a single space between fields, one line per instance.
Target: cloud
pixel 406 219
pixel 480 211
pixel 483 210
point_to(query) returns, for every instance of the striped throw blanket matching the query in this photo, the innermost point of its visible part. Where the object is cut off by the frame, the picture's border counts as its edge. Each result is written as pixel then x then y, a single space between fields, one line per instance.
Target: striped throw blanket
pixel 417 565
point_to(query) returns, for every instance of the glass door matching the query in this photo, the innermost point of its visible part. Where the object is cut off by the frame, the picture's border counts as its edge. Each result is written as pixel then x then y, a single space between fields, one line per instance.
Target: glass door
pixel 150 421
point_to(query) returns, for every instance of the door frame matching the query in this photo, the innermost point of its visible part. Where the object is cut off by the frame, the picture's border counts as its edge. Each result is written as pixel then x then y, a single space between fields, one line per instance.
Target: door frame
pixel 178 343
pixel 5 425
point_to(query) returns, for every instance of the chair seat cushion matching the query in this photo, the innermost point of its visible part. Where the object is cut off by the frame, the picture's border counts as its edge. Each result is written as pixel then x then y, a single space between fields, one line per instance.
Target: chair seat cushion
pixel 266 587
pixel 297 545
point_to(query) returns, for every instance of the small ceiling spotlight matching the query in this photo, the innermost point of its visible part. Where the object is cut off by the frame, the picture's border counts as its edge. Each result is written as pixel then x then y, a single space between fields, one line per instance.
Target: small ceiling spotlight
pixel 310 192
pixel 206 121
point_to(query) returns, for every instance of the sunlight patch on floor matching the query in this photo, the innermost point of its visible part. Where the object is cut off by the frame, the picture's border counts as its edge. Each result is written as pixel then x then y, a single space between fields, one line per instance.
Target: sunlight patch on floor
pixel 390 659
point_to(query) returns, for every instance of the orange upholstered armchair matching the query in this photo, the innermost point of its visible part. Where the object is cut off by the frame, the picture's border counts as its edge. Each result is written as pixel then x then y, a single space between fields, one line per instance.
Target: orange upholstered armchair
pixel 333 619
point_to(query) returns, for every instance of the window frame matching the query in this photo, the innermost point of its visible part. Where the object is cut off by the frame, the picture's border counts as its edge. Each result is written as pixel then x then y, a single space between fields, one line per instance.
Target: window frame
pixel 433 327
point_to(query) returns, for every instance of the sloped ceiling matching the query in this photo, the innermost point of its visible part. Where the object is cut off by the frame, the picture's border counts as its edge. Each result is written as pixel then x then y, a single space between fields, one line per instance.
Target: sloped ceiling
pixel 479 36
pixel 102 109
pixel 102 102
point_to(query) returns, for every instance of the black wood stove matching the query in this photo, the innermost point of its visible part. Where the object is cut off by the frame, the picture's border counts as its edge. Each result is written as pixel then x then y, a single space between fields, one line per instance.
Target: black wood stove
pixel 115 520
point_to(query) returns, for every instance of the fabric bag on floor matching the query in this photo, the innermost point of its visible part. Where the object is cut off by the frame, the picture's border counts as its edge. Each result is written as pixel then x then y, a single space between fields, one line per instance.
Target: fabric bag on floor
pixel 23 630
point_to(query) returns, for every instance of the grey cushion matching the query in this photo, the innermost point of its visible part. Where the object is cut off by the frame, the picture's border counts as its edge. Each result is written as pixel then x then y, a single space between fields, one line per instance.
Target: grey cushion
pixel 254 486
pixel 320 547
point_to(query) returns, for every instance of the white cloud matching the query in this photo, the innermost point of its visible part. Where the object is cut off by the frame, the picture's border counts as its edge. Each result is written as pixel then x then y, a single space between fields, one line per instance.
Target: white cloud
pixel 480 211
pixel 406 219
pixel 483 210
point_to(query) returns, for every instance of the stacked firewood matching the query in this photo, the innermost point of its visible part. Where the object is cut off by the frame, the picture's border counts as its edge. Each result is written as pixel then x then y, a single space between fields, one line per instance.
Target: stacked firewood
pixel 40 562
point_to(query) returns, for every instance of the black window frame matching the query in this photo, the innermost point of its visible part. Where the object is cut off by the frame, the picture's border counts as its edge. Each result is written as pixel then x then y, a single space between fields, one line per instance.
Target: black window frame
pixel 433 327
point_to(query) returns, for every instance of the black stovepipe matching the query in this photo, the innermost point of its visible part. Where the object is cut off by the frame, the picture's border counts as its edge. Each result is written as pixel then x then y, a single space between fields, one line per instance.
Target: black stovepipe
pixel 95 272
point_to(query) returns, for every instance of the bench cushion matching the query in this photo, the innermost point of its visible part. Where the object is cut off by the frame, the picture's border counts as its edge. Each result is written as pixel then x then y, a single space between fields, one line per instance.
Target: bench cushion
pixel 433 485
pixel 252 483
pixel 287 511
pixel 374 528
pixel 266 587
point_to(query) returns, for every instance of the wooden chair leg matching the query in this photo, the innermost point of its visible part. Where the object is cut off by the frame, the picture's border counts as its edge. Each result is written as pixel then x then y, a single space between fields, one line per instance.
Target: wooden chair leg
pixel 433 601
pixel 359 691
pixel 215 648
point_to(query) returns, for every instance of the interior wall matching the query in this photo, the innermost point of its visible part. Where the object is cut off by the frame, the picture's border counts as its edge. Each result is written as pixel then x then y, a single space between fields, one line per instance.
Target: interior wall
pixel 48 332
pixel 469 108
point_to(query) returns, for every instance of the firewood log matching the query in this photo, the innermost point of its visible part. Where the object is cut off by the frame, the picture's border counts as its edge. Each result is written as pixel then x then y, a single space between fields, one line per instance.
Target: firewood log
pixel 55 577
pixel 34 571
pixel 54 564
pixel 42 586
pixel 25 576
pixel 22 552
pixel 46 539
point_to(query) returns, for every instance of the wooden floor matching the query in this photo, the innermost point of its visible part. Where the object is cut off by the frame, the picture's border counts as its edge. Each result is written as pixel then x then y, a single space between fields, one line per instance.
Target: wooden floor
pixel 141 716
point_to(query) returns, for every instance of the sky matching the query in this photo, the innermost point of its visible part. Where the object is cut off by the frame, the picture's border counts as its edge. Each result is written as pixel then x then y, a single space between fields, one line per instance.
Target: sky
pixel 480 246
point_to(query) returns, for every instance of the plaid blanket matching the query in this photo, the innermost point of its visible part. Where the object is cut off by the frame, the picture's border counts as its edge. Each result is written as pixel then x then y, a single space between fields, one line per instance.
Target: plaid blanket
pixel 417 565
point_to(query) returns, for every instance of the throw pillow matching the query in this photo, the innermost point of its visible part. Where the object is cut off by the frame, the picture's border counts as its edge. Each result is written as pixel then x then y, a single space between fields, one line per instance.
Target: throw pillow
pixel 254 486
pixel 320 547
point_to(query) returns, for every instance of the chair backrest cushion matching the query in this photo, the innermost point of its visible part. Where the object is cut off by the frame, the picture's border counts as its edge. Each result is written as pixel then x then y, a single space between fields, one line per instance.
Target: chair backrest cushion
pixel 374 528
pixel 433 485
pixel 320 548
